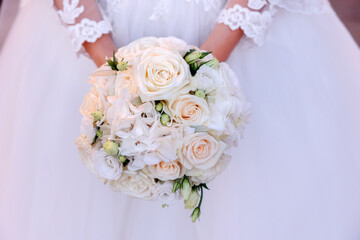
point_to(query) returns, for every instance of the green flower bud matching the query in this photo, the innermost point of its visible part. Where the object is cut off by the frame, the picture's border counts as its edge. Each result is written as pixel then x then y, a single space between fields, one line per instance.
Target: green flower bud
pixel 193 57
pixel 159 106
pixel 164 206
pixel 193 200
pixel 122 65
pixel 122 158
pixel 98 115
pixel 213 63
pixel 195 214
pixel 200 93
pixel 111 148
pixel 186 188
pixel 164 119
pixel 176 186
pixel 99 133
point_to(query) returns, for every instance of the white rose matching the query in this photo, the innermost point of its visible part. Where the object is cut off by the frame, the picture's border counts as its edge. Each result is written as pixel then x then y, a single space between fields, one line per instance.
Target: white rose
pixel 201 150
pixel 166 170
pixel 125 79
pixel 174 43
pixel 85 152
pixel 92 102
pixel 108 167
pixel 200 176
pixel 165 194
pixel 136 184
pixel 136 47
pixel 87 128
pixel 189 110
pixel 160 73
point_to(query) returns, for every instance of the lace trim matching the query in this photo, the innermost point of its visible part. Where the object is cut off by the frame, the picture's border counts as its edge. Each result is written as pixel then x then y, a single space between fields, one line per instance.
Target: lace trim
pixel 70 11
pixel 253 23
pixel 88 31
pixel 257 4
pixel 85 31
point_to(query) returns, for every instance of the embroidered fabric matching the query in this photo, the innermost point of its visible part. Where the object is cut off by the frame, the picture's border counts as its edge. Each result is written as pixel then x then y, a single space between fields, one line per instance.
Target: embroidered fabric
pixel 87 30
pixel 253 23
pixel 255 18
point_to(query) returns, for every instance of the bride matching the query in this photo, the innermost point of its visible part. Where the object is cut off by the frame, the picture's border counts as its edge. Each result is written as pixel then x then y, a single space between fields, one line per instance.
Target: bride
pixel 295 175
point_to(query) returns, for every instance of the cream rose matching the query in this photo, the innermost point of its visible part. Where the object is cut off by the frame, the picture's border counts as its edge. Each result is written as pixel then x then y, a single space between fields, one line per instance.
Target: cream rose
pixel 87 128
pixel 200 176
pixel 85 152
pixel 92 102
pixel 160 73
pixel 136 47
pixel 136 184
pixel 174 43
pixel 166 170
pixel 189 110
pixel 201 151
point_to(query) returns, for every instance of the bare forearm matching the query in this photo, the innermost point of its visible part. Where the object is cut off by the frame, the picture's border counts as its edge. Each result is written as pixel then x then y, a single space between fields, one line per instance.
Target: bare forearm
pixel 99 50
pixel 103 46
pixel 222 40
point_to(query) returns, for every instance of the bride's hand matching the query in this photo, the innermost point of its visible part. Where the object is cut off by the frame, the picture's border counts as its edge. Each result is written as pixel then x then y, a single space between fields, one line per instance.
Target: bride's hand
pixel 99 50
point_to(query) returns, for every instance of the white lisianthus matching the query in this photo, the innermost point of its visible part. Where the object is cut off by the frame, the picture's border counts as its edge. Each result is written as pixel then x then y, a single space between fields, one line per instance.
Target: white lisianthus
pixel 200 150
pixel 200 176
pixel 87 128
pixel 167 170
pixel 108 167
pixel 160 73
pixel 189 110
pixel 193 200
pixel 165 194
pixel 136 184
pixel 208 79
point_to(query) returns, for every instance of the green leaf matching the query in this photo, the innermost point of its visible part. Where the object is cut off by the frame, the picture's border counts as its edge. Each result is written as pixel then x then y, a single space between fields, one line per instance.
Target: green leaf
pixel 205 54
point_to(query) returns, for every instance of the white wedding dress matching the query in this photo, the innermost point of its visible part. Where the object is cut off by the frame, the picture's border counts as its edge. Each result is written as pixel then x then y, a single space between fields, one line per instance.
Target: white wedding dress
pixel 295 175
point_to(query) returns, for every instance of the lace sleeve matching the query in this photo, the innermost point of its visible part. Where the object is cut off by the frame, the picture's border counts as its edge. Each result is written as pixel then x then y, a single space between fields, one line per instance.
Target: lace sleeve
pixel 255 17
pixel 83 19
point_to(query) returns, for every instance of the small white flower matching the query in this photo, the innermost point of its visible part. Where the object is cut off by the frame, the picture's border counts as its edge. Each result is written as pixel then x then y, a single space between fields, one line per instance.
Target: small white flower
pixel 108 167
pixel 165 194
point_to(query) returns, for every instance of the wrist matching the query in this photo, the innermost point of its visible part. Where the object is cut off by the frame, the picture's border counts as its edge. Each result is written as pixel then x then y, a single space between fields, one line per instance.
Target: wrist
pixel 99 50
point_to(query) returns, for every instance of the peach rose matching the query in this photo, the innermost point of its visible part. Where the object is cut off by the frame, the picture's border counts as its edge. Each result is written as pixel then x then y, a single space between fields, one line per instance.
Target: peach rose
pixel 166 170
pixel 190 110
pixel 201 151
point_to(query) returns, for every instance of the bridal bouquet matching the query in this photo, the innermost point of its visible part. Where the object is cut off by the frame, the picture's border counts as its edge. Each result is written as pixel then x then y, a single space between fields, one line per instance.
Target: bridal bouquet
pixel 159 120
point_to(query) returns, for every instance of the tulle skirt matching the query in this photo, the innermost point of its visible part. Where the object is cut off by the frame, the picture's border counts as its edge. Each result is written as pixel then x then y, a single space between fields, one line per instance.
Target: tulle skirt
pixel 295 175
